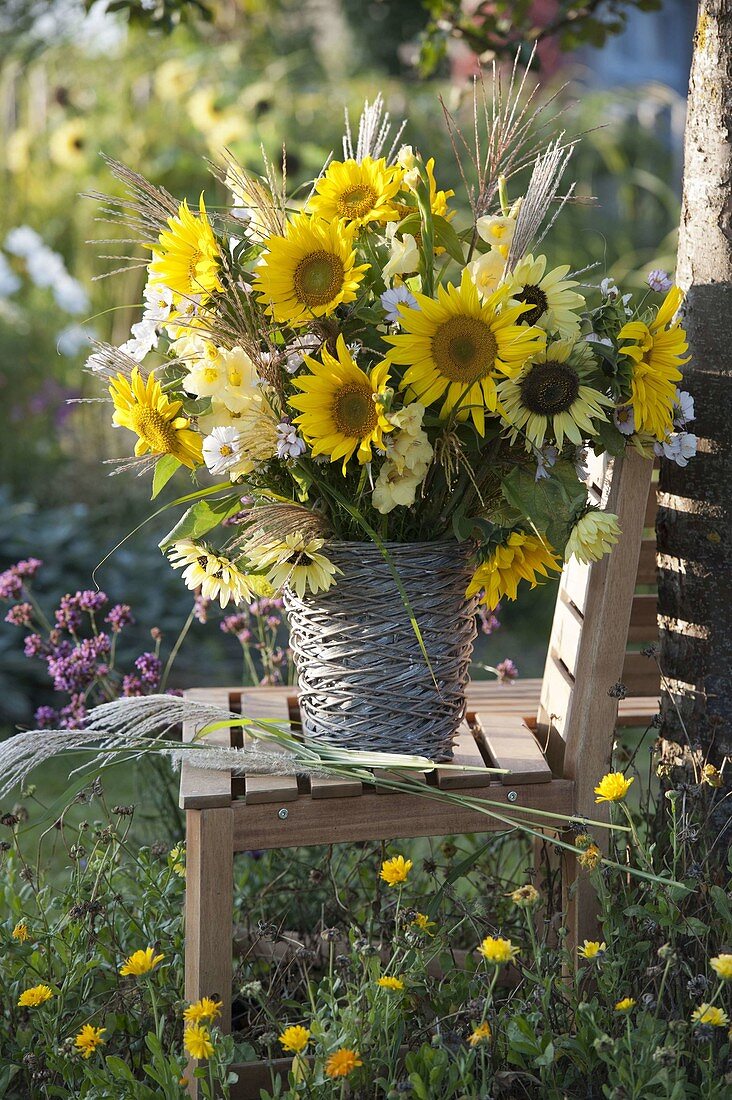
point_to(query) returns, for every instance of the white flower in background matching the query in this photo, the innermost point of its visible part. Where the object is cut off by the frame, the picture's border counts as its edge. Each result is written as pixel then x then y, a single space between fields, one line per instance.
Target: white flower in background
pixel 487 271
pixel 496 231
pixel 45 267
pixel 677 447
pixel 404 254
pixel 70 295
pixel 289 443
pixel 683 408
pixel 624 419
pixel 659 280
pixel 143 338
pixel 221 449
pixel 546 457
pixel 208 376
pixel 599 339
pixel 391 299
pixel 72 340
pixel 23 241
pixel 9 281
pixel 295 352
pixel 608 288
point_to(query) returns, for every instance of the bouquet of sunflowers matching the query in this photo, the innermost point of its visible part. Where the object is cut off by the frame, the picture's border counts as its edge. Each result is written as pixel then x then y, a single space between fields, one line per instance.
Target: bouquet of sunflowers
pixel 369 365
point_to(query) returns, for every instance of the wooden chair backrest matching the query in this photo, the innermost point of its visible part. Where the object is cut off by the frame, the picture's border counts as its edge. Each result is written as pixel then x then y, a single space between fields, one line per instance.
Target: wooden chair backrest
pixel 601 610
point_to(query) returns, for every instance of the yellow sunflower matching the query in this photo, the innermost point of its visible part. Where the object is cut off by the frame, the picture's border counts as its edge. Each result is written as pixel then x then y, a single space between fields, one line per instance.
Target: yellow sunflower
pixel 144 409
pixel 521 557
pixel 68 145
pixel 550 397
pixel 339 410
pixel 358 193
pixel 310 271
pixel 456 347
pixel 551 297
pixel 186 258
pixel 657 351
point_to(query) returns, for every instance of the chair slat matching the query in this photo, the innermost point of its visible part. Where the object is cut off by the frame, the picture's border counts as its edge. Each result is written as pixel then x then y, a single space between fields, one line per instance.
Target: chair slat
pixel 647 563
pixel 556 695
pixel 643 619
pixel 261 789
pixel 205 788
pixel 641 675
pixel 574 582
pixel 335 787
pixel 512 746
pixel 467 755
pixel 567 633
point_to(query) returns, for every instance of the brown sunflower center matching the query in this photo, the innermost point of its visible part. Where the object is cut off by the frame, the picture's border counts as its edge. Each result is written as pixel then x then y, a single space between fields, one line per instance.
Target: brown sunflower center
pixel 318 278
pixel 532 296
pixel 354 411
pixel 464 349
pixel 154 429
pixel 550 388
pixel 356 202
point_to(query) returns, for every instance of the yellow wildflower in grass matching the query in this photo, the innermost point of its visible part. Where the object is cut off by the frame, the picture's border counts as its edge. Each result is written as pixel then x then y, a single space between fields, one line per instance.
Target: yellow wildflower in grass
pixel 480 1034
pixel 35 996
pixel 339 410
pixel 20 932
pixel 711 776
pixel 358 193
pixel 204 1009
pixel 186 258
pixel 710 1015
pixel 521 557
pixel 217 576
pixel 197 1041
pixel 590 857
pixel 342 1062
pixel 88 1039
pixel 456 347
pixel 625 1005
pixel 394 984
pixel 656 351
pixel 395 870
pixel 142 407
pixel 592 536
pixel 177 860
pixel 140 963
pixel 423 922
pixel 498 951
pixel 68 145
pixel 525 897
pixel 613 787
pixel 722 967
pixel 294 1039
pixel 592 949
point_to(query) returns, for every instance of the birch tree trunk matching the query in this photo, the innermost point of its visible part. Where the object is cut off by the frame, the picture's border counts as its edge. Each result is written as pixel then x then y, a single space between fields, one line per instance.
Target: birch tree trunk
pixel 695 517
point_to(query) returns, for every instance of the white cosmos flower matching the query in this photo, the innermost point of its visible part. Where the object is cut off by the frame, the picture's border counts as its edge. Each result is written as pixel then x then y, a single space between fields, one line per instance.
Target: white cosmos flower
pixel 677 447
pixel 683 408
pixel 221 449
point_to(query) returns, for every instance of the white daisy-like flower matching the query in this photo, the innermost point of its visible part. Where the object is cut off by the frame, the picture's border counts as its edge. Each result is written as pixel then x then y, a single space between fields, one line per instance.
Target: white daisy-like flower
pixel 221 449
pixel 659 280
pixel 683 408
pixel 546 457
pixel 624 419
pixel 290 444
pixel 295 351
pixel 678 447
pixel 393 298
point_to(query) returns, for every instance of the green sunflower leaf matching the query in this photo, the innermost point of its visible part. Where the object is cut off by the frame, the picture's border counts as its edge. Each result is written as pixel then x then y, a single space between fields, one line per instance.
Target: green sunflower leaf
pixel 200 518
pixel 549 504
pixel 165 467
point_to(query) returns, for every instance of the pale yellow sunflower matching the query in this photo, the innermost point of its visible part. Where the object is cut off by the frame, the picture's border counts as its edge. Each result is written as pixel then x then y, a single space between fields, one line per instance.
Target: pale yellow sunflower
pixel 294 561
pixel 142 407
pixel 522 557
pixel 68 145
pixel 554 304
pixel 358 193
pixel 456 347
pixel 340 413
pixel 187 258
pixel 657 351
pixel 217 577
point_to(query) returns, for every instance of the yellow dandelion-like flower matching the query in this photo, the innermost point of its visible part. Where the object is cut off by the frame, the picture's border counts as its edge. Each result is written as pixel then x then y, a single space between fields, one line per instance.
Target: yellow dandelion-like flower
pixel 592 949
pixel 216 575
pixel 197 1041
pixel 590 858
pixel 656 351
pixel 357 192
pixel 550 295
pixel 35 996
pixel 295 562
pixel 498 951
pixel 626 1005
pixel 424 924
pixel 177 860
pixel 592 536
pixel 480 1034
pixel 711 776
pixel 710 1015
pixel 396 985
pixel 525 896
pixel 88 1039
pixel 142 407
pixel 21 932
pixel 309 271
pixel 340 412
pixel 68 145
pixel 722 967
pixel 204 1010
pixel 294 1039
pixel 456 347
pixel 395 870
pixel 187 258
pixel 613 787
pixel 522 557
pixel 140 963
pixel 342 1062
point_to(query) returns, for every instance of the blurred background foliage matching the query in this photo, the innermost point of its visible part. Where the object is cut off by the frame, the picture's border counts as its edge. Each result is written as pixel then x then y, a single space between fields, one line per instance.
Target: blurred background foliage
pixel 163 94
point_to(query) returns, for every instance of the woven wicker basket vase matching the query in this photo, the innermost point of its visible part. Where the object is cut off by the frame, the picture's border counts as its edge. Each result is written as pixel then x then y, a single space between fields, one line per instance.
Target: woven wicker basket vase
pixel 364 683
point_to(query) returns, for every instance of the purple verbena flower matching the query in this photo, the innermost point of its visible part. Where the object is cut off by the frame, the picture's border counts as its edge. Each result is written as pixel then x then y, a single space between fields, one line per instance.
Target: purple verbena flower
pixel 11 584
pixel 28 568
pixel 132 687
pixel 33 645
pixel 73 715
pixel 119 617
pixel 45 718
pixel 507 671
pixel 21 614
pixel 150 668
pixel 488 620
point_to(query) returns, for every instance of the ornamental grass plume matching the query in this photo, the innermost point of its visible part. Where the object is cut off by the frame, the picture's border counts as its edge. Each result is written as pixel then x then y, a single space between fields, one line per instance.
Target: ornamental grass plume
pixel 140 963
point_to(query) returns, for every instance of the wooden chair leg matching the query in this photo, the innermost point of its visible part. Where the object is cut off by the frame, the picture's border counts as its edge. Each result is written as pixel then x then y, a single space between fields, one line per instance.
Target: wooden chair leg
pixel 209 911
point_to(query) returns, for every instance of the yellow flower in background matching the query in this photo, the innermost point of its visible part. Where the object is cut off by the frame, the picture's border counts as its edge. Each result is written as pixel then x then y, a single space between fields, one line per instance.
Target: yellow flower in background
pixel 18 150
pixel 613 787
pixel 294 1039
pixel 395 870
pixel 177 860
pixel 20 932
pixel 201 1011
pixel 657 351
pixel 590 858
pixel 340 414
pixel 197 1041
pixel 396 985
pixel 711 776
pixel 35 996
pixel 186 258
pixel 480 1034
pixel 88 1039
pixel 710 1015
pixel 310 271
pixel 626 1005
pixel 554 304
pixel 522 557
pixel 143 408
pixel 498 951
pixel 455 347
pixel 173 79
pixel 592 536
pixel 526 896
pixel 217 576
pixel 342 1062
pixel 204 110
pixel 294 561
pixel 424 924
pixel 140 963
pixel 592 949
pixel 722 967
pixel 438 199
pixel 358 193
pixel 68 144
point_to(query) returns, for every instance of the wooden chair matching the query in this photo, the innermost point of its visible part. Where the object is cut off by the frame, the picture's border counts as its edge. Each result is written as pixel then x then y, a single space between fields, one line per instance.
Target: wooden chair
pixel 554 736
